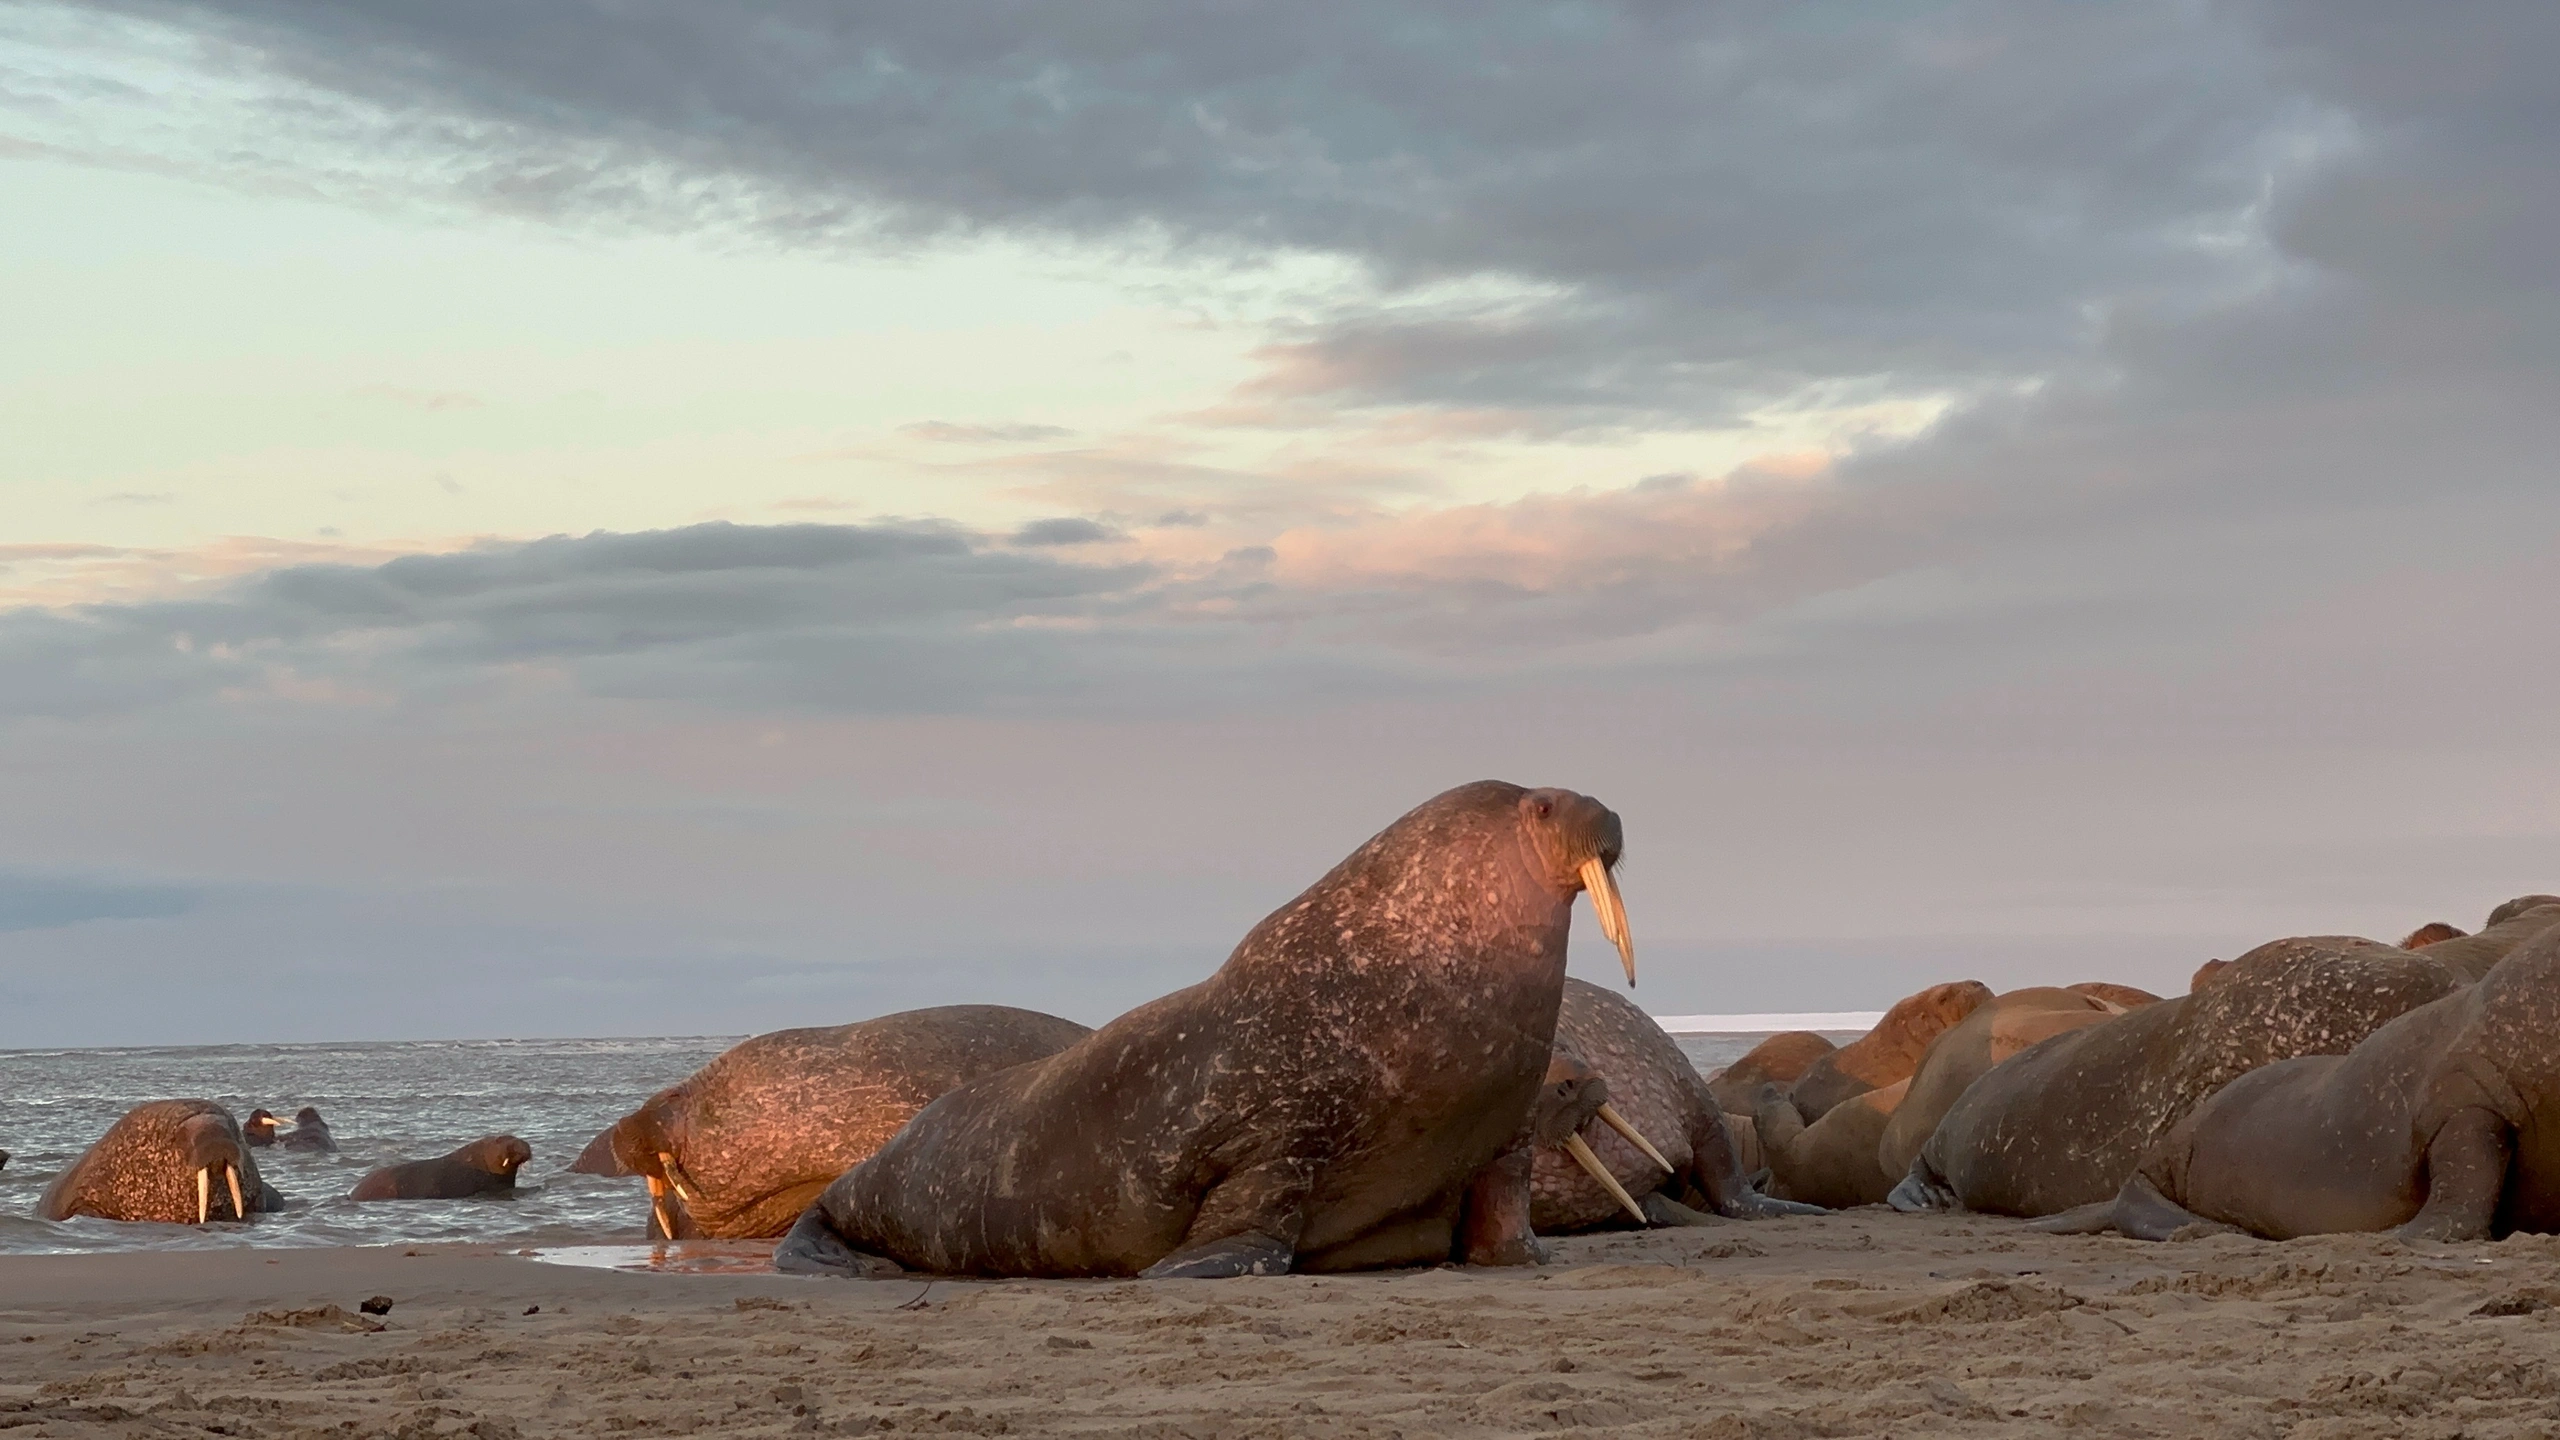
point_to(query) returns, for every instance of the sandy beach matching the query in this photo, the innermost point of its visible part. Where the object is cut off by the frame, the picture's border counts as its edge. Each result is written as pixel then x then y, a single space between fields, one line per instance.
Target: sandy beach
pixel 1863 1323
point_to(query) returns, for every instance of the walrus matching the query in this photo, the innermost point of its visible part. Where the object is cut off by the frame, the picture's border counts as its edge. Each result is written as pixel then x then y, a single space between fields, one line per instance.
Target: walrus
pixel 2429 933
pixel 1991 1034
pixel 2438 1126
pixel 2471 957
pixel 739 1148
pixel 310 1134
pixel 486 1166
pixel 2064 1122
pixel 1352 1089
pixel 599 1157
pixel 259 1130
pixel 178 1162
pixel 2511 909
pixel 1885 1054
pixel 2122 997
pixel 4 1159
pixel 1660 1140
pixel 2206 974
pixel 1779 1060
pixel 1831 1162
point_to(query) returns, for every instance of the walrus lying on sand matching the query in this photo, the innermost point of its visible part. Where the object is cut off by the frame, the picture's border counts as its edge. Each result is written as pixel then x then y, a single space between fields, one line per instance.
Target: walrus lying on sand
pixel 1780 1060
pixel 1661 1141
pixel 2472 957
pixel 2442 1125
pixel 1353 1088
pixel 178 1162
pixel 1832 1162
pixel 738 1149
pixel 486 1166
pixel 2065 1122
pixel 1888 1053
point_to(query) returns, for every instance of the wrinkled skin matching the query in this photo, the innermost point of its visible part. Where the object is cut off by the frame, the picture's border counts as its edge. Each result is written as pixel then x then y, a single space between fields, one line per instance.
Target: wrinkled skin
pixel 1889 1052
pixel 1780 1060
pixel 2471 957
pixel 2442 1125
pixel 486 1166
pixel 1831 1162
pixel 2064 1123
pixel 770 1122
pixel 144 1168
pixel 1352 1089
pixel 2009 1024
pixel 1659 1092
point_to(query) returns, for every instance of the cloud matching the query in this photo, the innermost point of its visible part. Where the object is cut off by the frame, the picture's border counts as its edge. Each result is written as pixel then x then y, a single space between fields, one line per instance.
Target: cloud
pixel 945 432
pixel 1064 530
pixel 30 901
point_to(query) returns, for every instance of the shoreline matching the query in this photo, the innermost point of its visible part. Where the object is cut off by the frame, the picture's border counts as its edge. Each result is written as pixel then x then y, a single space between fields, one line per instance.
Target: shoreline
pixel 1857 1323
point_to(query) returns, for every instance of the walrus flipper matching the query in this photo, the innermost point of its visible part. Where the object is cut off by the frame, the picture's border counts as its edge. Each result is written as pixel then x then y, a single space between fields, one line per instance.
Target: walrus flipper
pixel 1924 1189
pixel 2095 1218
pixel 1223 1260
pixel 2466 1174
pixel 2143 1213
pixel 814 1248
pixel 1715 1173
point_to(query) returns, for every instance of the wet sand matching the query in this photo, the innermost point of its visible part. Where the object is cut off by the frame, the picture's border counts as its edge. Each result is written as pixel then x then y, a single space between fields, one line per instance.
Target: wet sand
pixel 1865 1323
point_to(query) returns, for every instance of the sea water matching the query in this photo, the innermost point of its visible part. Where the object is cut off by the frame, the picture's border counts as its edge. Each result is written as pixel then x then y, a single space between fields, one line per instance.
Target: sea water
pixel 385 1102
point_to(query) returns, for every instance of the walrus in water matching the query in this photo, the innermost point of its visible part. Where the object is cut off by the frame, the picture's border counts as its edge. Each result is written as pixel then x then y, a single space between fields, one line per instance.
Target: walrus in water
pixel 2063 1123
pixel 2010 1023
pixel 2442 1125
pixel 178 1162
pixel 309 1134
pixel 1352 1089
pixel 1888 1053
pixel 259 1130
pixel 486 1166
pixel 1661 1141
pixel 1780 1060
pixel 738 1149
pixel 2471 957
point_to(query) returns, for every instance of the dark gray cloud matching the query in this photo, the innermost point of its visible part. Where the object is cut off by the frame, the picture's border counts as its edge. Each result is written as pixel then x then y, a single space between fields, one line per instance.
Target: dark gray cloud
pixel 32 901
pixel 1064 530
pixel 1689 210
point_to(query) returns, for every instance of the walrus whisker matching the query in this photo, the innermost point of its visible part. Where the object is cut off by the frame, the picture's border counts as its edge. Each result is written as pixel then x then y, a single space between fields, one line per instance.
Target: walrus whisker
pixel 1609 1116
pixel 1603 889
pixel 1580 1150
pixel 204 1194
pixel 239 1207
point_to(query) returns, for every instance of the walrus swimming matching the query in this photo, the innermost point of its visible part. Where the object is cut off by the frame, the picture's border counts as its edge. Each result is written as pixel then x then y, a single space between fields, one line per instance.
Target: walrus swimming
pixel 2442 1125
pixel 259 1130
pixel 1780 1060
pixel 739 1148
pixel 310 1133
pixel 178 1162
pixel 1352 1089
pixel 2063 1123
pixel 1662 1141
pixel 2010 1023
pixel 486 1166
pixel 1885 1054
pixel 2471 957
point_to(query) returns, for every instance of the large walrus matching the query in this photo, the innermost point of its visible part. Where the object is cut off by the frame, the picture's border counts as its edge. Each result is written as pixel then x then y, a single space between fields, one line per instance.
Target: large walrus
pixel 2470 957
pixel 1889 1052
pixel 1661 1140
pixel 486 1166
pixel 179 1162
pixel 2010 1023
pixel 739 1148
pixel 1780 1060
pixel 1353 1088
pixel 2063 1123
pixel 1831 1162
pixel 2442 1125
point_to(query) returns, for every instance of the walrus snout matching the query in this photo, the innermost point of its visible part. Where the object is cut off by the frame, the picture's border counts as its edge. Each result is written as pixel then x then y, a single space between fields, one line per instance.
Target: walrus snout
pixel 212 1144
pixel 1581 839
pixel 1575 1095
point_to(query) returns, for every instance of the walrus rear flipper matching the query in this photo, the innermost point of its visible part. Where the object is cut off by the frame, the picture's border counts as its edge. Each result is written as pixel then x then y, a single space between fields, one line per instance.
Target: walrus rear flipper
pixel 1223 1260
pixel 2095 1218
pixel 1923 1189
pixel 814 1248
pixel 2466 1175
pixel 2142 1212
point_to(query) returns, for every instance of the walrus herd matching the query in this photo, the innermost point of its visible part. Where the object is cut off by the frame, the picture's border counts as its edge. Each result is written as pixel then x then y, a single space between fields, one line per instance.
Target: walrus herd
pixel 1392 1069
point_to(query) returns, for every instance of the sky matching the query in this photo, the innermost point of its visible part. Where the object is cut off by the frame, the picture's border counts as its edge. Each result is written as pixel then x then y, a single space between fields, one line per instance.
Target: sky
pixel 655 517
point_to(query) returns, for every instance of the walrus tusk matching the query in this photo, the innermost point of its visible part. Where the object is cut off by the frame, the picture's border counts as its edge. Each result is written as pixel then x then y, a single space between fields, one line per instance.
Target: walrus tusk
pixel 204 1193
pixel 1615 1121
pixel 658 1206
pixel 1582 1156
pixel 239 1207
pixel 676 1177
pixel 1612 911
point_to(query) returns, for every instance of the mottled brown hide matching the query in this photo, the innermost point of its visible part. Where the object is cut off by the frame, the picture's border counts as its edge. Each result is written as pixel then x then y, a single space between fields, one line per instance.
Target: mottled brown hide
pixel 2009 1024
pixel 2429 933
pixel 2511 909
pixel 1889 1052
pixel 2064 1123
pixel 1779 1060
pixel 146 1166
pixel 2206 974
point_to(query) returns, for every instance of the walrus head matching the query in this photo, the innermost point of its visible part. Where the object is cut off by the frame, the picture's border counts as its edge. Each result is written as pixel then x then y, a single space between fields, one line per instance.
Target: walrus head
pixel 2522 904
pixel 1573 1096
pixel 2433 932
pixel 211 1142
pixel 1577 841
pixel 497 1154
pixel 309 1115
pixel 259 1128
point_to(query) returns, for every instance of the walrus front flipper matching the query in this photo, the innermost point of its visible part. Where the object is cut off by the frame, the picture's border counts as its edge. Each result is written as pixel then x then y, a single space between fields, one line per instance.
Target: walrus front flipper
pixel 1223 1260
pixel 814 1248
pixel 1923 1189
pixel 2466 1175
pixel 1715 1173
pixel 2141 1211
pixel 2095 1218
